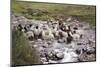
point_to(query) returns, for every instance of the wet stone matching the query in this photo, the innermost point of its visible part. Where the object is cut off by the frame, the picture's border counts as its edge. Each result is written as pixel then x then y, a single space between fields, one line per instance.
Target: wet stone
pixel 60 55
pixel 79 43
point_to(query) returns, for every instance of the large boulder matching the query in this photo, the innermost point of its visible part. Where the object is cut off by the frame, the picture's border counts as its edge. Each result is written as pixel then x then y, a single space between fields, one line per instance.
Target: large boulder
pixel 56 55
pixel 60 55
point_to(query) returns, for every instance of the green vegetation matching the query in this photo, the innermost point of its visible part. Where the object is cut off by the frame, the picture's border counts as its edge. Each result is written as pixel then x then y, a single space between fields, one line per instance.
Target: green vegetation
pixel 44 11
pixel 22 53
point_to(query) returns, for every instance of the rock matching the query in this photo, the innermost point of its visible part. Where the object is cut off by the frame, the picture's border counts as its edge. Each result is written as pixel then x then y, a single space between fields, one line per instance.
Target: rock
pixel 41 49
pixel 39 40
pixel 49 42
pixel 42 54
pixel 69 19
pixel 74 60
pixel 73 55
pixel 51 61
pixel 60 41
pixel 91 51
pixel 75 28
pixel 85 58
pixel 78 52
pixel 60 55
pixel 56 55
pixel 45 62
pixel 79 43
pixel 50 54
pixel 35 46
pixel 81 25
pixel 30 38
pixel 45 45
pixel 43 59
pixel 69 39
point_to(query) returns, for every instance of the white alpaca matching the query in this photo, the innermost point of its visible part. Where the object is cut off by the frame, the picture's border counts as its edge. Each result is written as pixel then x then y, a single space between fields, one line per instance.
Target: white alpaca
pixel 23 30
pixel 56 33
pixel 37 31
pixel 76 36
pixel 29 34
pixel 64 34
pixel 80 32
pixel 47 35
pixel 54 29
pixel 67 27
pixel 32 28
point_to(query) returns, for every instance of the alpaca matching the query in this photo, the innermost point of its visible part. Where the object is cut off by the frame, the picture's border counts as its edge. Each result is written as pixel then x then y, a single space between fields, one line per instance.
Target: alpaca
pixel 37 32
pixel 76 34
pixel 30 35
pixel 47 34
pixel 19 27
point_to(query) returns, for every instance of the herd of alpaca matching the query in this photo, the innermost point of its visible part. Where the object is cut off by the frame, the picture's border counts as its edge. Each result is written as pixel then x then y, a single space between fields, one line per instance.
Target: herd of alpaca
pixel 51 30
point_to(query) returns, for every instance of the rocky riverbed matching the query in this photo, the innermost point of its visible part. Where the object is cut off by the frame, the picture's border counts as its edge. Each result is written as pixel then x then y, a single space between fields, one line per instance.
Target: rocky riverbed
pixel 57 50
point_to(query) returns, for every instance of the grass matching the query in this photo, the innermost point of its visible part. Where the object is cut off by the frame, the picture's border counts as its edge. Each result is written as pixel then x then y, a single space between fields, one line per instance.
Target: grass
pixel 44 11
pixel 22 53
